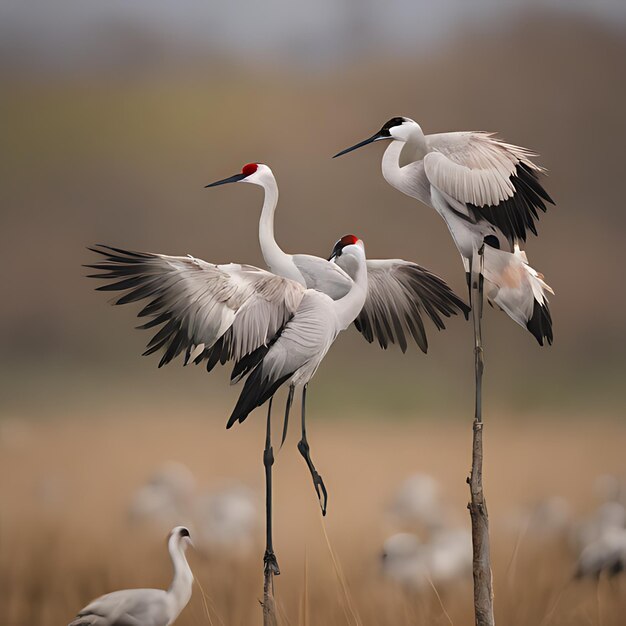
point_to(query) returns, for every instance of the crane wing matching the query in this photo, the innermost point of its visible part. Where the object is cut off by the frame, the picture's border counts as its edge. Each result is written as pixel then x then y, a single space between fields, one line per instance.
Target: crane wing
pixel 213 312
pixel 398 294
pixel 128 607
pixel 496 181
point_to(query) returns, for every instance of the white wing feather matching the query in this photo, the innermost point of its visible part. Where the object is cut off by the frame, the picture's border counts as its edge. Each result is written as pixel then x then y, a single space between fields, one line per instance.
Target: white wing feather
pixel 474 167
pixel 198 303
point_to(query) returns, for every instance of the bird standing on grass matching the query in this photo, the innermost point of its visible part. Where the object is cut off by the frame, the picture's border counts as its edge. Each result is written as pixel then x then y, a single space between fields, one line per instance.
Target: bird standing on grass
pixel 488 193
pixel 145 607
pixel 607 554
pixel 445 559
pixel 164 500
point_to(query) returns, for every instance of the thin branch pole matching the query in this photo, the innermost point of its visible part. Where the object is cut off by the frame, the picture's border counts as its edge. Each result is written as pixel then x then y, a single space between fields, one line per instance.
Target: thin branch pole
pixel 483 584
pixel 270 565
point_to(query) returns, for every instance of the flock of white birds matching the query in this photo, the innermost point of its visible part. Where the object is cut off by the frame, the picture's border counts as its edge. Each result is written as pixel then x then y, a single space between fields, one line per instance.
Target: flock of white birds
pixel 432 552
pixel 428 551
pixel 223 521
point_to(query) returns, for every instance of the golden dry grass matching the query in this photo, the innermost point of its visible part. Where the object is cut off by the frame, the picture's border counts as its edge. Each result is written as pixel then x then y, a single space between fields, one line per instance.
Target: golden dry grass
pixel 61 550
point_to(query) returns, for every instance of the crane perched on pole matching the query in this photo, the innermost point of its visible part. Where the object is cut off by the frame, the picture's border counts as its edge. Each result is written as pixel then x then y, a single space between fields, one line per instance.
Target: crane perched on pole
pixel 488 194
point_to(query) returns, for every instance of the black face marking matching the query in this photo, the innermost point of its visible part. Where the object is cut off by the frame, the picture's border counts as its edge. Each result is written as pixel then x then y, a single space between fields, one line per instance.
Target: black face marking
pixel 492 241
pixel 184 532
pixel 337 250
pixel 394 121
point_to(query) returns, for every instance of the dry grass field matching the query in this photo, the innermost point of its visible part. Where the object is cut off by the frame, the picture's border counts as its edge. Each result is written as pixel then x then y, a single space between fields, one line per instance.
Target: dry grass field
pixel 64 538
pixel 120 154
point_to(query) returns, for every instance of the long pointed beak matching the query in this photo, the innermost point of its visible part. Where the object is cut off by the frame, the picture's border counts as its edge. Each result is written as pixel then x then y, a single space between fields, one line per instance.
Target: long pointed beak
pixel 230 179
pixel 374 137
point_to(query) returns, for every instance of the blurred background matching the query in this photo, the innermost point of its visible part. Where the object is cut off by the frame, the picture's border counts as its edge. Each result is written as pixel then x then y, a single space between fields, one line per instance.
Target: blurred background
pixel 117 114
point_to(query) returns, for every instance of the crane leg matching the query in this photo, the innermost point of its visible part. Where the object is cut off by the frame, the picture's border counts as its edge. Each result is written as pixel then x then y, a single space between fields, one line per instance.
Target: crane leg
pixel 269 559
pixel 303 448
pixel 287 409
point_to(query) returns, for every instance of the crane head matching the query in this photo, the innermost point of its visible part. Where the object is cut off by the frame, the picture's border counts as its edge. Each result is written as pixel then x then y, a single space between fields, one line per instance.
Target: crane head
pixel 181 536
pixel 396 128
pixel 346 240
pixel 250 173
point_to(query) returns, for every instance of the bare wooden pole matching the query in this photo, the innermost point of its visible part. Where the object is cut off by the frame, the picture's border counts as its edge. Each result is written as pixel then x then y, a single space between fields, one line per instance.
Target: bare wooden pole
pixel 483 584
pixel 269 605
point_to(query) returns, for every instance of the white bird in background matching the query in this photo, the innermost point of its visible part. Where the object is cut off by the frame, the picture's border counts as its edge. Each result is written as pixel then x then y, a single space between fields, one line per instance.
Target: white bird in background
pixel 487 192
pixel 606 554
pixel 548 519
pixel 277 330
pixel 606 518
pixel 227 521
pixel 417 503
pixel 224 520
pixel 145 607
pixel 166 498
pixel 610 488
pixel 445 559
pixel 399 292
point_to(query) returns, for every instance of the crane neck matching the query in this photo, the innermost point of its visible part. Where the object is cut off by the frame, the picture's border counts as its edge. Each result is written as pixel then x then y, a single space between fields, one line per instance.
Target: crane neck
pixel 401 152
pixel 180 589
pixel 414 148
pixel 278 261
pixel 409 181
pixel 349 307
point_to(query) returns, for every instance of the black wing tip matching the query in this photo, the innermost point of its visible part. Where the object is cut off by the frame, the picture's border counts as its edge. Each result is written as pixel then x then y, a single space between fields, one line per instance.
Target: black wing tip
pixel 461 306
pixel 440 298
pixel 247 363
pixel 517 215
pixel 428 294
pixel 256 391
pixel 540 324
pixel 102 248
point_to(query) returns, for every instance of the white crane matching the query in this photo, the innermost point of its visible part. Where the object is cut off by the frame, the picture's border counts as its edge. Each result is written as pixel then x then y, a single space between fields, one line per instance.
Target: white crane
pixel 607 554
pixel 227 521
pixel 399 292
pixel 296 353
pixel 145 607
pixel 444 559
pixel 487 192
pixel 166 498
pixel 417 503
pixel 607 517
pixel 277 330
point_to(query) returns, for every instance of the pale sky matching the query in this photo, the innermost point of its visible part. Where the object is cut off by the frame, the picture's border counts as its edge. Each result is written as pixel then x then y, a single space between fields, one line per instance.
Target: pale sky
pixel 70 31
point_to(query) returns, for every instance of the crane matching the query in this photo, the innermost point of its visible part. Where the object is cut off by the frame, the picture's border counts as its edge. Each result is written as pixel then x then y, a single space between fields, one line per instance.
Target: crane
pixel 399 292
pixel 149 607
pixel 488 193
